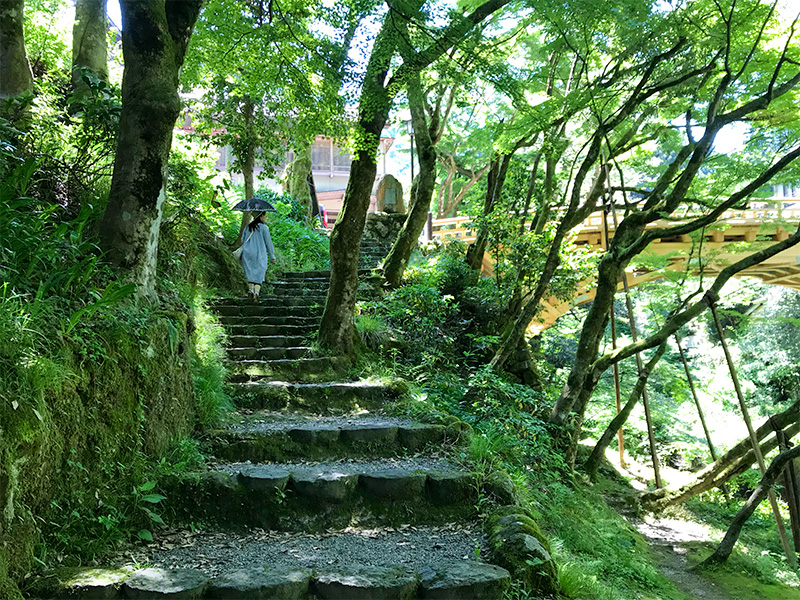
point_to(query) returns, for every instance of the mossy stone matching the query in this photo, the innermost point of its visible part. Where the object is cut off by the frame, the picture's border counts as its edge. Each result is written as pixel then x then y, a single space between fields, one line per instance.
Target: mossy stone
pixel 262 584
pixel 186 584
pixel 369 583
pixel 501 488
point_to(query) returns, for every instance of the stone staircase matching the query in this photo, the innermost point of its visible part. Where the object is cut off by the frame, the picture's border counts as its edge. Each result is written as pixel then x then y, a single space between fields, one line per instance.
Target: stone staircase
pixel 313 491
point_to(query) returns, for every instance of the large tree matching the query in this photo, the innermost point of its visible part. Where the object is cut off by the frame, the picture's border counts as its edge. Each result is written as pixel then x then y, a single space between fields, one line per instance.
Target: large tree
pixel 155 36
pixel 377 93
pixel 15 70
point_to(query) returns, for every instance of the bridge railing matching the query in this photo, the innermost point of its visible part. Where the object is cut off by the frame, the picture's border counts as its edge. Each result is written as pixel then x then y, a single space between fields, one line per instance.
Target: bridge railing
pixel 460 228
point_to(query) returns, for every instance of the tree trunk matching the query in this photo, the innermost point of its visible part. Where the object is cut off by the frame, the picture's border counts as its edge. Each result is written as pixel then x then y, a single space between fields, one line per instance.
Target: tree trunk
pixel 297 184
pixel 395 263
pixel 89 40
pixel 154 44
pixel 248 163
pixel 497 178
pixel 15 70
pixel 337 331
pixel 737 460
pixel 593 462
pixel 725 547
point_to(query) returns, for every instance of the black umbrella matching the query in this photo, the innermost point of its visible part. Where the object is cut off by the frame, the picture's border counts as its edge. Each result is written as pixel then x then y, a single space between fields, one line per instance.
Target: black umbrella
pixel 255 205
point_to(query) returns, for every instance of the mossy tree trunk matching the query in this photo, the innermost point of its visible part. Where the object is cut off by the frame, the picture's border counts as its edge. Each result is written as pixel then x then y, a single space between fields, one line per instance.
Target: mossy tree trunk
pixel 498 169
pixel 15 70
pixel 337 331
pixel 297 180
pixel 154 44
pixel 89 40
pixel 422 190
pixel 248 161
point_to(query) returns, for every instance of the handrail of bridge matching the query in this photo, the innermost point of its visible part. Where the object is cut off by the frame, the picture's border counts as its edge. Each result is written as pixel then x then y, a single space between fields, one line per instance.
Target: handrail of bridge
pixel 460 228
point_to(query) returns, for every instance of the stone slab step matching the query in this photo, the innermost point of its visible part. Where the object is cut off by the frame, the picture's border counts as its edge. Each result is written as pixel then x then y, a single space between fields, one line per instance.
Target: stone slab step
pixel 295 275
pixel 320 398
pixel 276 326
pixel 268 353
pixel 306 299
pixel 324 368
pixel 263 310
pixel 321 283
pixel 269 436
pixel 295 569
pixel 266 341
pixel 318 496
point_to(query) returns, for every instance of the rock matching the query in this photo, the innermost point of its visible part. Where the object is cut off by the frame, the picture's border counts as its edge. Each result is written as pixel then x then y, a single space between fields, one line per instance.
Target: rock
pixel 417 437
pixel 262 584
pixel 384 227
pixel 89 583
pixel 517 544
pixel 451 487
pixel 394 484
pixel 319 435
pixel 379 434
pixel 263 478
pixel 389 195
pixel 461 580
pixel 369 583
pixel 501 488
pixel 329 486
pixel 162 583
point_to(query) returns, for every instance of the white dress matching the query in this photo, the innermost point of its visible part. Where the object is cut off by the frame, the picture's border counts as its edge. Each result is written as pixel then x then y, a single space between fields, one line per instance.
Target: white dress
pixel 257 250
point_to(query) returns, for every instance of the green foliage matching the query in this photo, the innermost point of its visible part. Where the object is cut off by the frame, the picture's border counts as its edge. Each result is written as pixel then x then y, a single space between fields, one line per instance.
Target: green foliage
pixel 208 370
pixel 298 247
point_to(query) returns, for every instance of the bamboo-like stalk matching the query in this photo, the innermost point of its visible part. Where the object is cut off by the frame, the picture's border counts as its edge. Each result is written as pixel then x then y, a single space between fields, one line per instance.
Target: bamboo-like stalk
pixel 787 548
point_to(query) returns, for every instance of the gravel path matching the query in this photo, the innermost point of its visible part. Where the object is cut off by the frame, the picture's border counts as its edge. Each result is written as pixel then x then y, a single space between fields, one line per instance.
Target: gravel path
pixel 407 546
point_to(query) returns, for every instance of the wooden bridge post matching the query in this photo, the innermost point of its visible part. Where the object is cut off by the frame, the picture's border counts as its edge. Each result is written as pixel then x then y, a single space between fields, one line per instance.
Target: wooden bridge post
pixel 787 548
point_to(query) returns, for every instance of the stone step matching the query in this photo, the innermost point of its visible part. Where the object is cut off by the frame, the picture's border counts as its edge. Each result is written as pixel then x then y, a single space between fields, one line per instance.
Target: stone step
pixel 277 319
pixel 226 305
pixel 300 275
pixel 313 497
pixel 263 310
pixel 266 341
pixel 270 436
pixel 414 563
pixel 324 368
pixel 275 326
pixel 268 353
pixel 295 275
pixel 305 286
pixel 316 397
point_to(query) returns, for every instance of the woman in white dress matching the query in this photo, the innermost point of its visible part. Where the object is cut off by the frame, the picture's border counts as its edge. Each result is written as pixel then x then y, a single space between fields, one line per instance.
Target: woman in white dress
pixel 257 253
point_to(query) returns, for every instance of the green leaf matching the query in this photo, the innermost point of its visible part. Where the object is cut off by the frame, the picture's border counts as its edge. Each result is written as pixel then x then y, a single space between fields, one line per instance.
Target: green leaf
pixel 147 486
pixel 144 534
pixel 153 498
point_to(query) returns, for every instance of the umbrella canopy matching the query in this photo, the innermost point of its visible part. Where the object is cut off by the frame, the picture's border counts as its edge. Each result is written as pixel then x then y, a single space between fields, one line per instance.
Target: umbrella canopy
pixel 254 205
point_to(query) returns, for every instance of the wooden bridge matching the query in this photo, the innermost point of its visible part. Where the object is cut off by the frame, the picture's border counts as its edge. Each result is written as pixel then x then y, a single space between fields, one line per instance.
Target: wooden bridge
pixel 738 233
